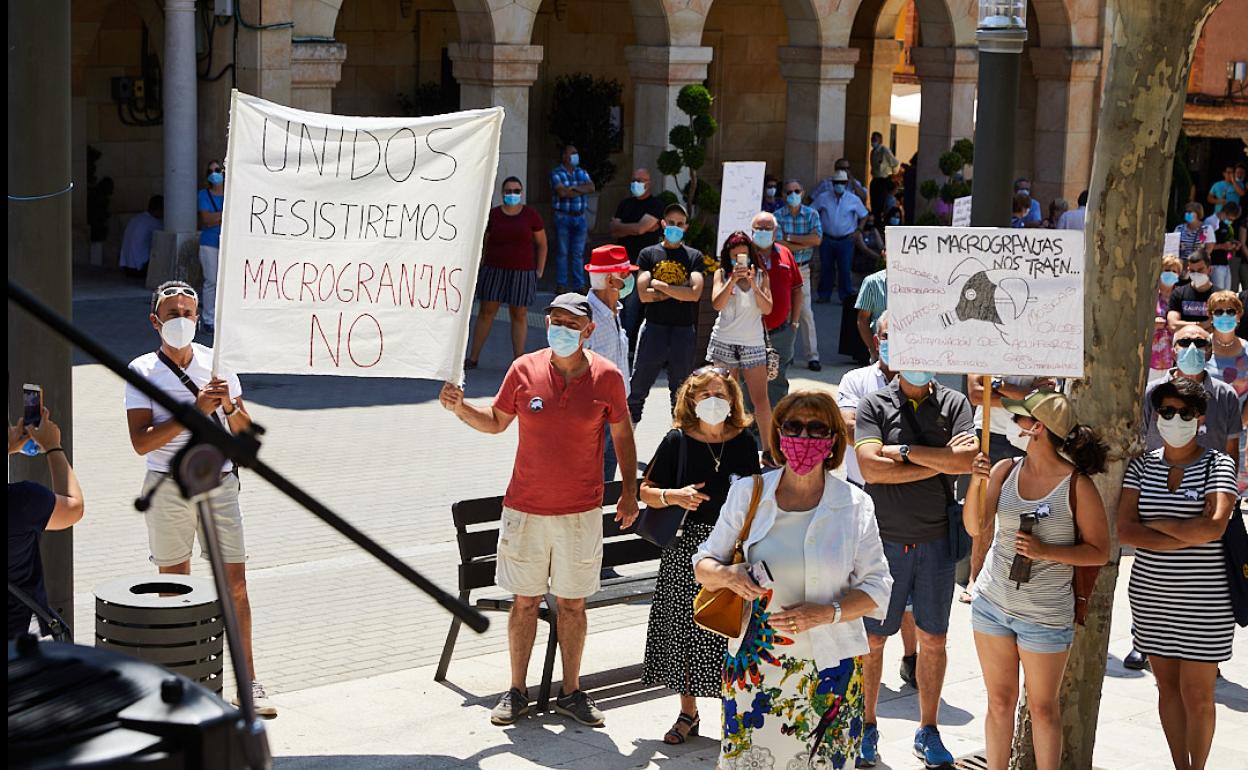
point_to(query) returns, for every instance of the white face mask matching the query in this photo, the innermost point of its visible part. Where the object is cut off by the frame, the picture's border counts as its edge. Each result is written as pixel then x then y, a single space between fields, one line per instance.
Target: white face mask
pixel 1176 431
pixel 1199 280
pixel 1016 437
pixel 178 332
pixel 713 410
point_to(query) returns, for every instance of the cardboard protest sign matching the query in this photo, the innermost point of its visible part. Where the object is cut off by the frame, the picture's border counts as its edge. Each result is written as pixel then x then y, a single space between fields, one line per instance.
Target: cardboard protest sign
pixel 961 212
pixel 986 300
pixel 740 195
pixel 1170 245
pixel 349 246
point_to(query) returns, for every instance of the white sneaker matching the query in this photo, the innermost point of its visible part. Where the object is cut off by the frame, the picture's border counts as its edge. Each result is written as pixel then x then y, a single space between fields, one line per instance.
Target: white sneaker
pixel 264 707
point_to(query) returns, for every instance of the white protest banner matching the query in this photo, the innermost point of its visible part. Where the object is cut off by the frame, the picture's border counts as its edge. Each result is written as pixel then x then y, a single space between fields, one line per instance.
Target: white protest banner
pixel 350 246
pixel 1170 246
pixel 961 212
pixel 986 300
pixel 740 196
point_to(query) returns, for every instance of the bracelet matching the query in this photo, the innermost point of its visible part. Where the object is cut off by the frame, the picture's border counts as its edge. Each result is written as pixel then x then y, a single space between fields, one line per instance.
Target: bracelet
pixel 229 413
pixel 663 497
pixel 53 449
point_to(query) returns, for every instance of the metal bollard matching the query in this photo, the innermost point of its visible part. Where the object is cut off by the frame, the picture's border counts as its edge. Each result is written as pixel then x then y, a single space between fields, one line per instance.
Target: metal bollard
pixel 181 631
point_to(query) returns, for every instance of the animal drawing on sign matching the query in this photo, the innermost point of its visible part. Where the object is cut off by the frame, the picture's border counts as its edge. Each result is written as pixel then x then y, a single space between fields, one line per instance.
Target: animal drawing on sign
pixel 983 299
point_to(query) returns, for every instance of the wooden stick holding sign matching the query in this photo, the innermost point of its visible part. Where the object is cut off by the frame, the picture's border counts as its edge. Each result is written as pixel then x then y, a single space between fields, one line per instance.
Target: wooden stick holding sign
pixel 985 433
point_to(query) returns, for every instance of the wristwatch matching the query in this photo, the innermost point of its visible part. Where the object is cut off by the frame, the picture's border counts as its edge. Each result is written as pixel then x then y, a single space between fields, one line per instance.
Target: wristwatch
pixel 836 612
pixel 904 451
pixel 997 384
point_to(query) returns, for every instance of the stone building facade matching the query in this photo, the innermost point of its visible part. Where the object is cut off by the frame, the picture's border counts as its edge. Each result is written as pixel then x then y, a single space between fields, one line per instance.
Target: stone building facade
pixel 798 83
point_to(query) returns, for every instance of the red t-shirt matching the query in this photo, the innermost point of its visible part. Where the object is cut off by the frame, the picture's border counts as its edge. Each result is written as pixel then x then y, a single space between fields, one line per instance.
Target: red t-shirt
pixel 558 466
pixel 509 240
pixel 784 275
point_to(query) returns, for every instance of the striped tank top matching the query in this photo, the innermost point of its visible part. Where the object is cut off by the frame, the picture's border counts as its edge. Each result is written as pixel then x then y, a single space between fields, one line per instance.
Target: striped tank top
pixel 1048 598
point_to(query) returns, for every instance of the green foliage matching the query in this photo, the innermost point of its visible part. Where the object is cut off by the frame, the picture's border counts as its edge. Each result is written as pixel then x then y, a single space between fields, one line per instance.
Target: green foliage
pixel 950 163
pixel 581 115
pixel 927 218
pixel 669 162
pixel 694 100
pixel 929 189
pixel 704 126
pixel 966 148
pixel 667 198
pixel 951 191
pixel 682 137
pixel 694 157
pixel 428 99
pixel 707 198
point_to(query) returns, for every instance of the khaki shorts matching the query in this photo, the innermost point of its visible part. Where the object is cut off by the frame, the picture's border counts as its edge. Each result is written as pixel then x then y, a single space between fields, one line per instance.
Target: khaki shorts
pixel 173 522
pixel 562 554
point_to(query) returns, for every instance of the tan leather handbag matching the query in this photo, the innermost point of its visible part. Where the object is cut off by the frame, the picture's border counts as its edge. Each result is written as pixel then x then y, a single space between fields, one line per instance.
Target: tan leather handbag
pixel 722 611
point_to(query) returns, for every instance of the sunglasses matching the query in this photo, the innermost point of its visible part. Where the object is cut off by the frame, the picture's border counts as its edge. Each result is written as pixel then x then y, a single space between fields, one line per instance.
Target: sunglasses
pixel 1188 413
pixel 1225 311
pixel 814 429
pixel 883 336
pixel 1199 342
pixel 721 371
pixel 173 291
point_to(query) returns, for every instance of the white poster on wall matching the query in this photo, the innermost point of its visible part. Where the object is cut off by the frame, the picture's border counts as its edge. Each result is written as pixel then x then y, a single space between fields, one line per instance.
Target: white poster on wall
pixel 986 300
pixel 961 212
pixel 349 246
pixel 740 196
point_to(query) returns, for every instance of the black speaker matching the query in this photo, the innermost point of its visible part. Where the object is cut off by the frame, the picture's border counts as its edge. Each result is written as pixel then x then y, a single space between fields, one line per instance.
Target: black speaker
pixel 73 706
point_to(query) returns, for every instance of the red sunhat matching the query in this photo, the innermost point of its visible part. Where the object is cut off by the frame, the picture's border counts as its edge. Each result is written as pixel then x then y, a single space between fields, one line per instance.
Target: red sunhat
pixel 610 259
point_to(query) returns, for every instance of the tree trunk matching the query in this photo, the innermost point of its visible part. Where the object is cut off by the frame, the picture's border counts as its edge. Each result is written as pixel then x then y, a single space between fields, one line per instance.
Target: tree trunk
pixel 1150 55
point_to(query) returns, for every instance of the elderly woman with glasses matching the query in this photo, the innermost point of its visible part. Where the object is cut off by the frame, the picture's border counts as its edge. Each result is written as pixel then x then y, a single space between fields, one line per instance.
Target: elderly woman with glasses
pixel 792 683
pixel 707 448
pixel 1176 503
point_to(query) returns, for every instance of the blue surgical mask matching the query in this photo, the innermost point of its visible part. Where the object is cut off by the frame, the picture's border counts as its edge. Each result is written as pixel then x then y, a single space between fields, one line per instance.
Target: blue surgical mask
pixel 638 189
pixel 630 281
pixel 511 199
pixel 1169 278
pixel 894 220
pixel 563 341
pixel 764 238
pixel 673 234
pixel 216 178
pixel 1189 217
pixel 575 159
pixel 838 188
pixel 884 352
pixel 1025 193
pixel 918 379
pixel 793 199
pixel 1225 323
pixel 771 192
pixel 1191 360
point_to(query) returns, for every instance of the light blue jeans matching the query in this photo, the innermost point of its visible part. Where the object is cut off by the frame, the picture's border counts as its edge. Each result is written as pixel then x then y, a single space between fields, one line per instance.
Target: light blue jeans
pixel 570 233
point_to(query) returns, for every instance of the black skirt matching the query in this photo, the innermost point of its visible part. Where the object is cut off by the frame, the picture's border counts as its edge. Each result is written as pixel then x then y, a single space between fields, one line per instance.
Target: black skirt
pixel 680 655
pixel 517 288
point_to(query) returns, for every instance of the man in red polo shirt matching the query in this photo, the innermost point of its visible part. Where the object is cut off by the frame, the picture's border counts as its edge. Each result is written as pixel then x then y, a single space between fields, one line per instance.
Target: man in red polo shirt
pixel 551 534
pixel 786 298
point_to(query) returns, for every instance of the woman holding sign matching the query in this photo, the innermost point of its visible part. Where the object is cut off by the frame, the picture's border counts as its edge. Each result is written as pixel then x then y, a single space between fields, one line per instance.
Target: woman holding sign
pixel 514 258
pixel 1049 518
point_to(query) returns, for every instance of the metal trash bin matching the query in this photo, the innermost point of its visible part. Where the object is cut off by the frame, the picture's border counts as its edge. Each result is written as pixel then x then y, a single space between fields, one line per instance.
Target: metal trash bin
pixel 182 632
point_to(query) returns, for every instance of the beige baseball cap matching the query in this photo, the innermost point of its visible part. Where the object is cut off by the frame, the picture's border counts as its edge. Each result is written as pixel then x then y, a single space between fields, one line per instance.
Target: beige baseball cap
pixel 1052 409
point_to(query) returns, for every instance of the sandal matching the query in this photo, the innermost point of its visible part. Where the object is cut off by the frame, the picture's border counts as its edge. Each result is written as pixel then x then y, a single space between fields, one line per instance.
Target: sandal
pixel 675 737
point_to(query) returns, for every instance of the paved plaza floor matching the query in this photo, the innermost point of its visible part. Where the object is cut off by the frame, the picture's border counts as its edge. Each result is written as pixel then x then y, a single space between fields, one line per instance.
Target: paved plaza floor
pixel 346 647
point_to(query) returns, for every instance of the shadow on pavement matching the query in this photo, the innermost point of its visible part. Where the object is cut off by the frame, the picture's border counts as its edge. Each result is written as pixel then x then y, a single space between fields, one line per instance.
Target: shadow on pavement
pixel 1114 668
pixel 1232 695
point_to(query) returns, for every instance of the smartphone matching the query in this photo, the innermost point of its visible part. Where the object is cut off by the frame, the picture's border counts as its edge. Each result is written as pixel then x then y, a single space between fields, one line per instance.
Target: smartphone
pixel 32 405
pixel 743 260
pixel 761 574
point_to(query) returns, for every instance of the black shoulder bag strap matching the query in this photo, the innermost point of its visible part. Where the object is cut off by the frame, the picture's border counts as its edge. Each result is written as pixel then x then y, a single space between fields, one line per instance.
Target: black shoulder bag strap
pixel 187 381
pixel 48 617
pixel 907 413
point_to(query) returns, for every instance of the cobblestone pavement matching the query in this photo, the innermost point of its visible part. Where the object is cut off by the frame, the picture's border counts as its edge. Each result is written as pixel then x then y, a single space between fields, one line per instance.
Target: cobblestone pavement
pixel 380 452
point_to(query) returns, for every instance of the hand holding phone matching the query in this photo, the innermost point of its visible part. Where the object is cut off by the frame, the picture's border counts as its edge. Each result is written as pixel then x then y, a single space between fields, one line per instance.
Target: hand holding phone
pixel 32 416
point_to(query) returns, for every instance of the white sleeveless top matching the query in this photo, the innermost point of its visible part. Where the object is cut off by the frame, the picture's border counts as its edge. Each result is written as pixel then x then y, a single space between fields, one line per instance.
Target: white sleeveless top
pixel 740 322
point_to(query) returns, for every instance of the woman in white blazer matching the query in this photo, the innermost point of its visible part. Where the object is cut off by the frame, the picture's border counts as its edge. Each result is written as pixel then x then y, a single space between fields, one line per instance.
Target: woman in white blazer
pixel 793 693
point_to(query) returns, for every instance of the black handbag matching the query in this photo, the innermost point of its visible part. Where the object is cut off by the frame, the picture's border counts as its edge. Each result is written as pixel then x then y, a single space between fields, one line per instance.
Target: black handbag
pixel 1235 547
pixel 959 538
pixel 661 526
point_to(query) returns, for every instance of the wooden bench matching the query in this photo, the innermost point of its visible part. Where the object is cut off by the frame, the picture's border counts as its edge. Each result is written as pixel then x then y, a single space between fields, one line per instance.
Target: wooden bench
pixel 476 531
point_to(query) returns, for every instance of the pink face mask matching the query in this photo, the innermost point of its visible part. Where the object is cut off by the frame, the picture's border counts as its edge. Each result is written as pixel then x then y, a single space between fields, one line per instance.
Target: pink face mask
pixel 803 454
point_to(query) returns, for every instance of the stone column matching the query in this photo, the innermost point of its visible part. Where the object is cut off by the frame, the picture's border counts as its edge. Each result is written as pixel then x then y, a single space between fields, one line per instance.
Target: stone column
pixel 315 68
pixel 870 100
pixel 947 77
pixel 175 249
pixel 500 74
pixel 264 55
pixel 815 115
pixel 659 72
pixel 39 248
pixel 1066 107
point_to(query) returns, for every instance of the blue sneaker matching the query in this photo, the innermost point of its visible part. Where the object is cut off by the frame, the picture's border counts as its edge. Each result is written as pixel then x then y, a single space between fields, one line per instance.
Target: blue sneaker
pixel 931 749
pixel 869 754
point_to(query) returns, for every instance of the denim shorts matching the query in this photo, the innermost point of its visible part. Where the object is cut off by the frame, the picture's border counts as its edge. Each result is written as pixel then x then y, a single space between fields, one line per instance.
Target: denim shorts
pixel 922 578
pixel 987 618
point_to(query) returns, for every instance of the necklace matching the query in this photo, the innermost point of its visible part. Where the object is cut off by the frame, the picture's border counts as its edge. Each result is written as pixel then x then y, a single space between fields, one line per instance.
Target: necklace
pixel 717 458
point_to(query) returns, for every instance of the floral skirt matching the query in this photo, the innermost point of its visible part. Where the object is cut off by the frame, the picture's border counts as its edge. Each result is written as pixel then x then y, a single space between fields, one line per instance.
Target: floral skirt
pixel 784 713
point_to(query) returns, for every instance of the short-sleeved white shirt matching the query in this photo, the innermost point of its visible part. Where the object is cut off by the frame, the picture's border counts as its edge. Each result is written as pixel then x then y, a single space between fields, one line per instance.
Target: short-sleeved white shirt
pixel 855 384
pixel 151 369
